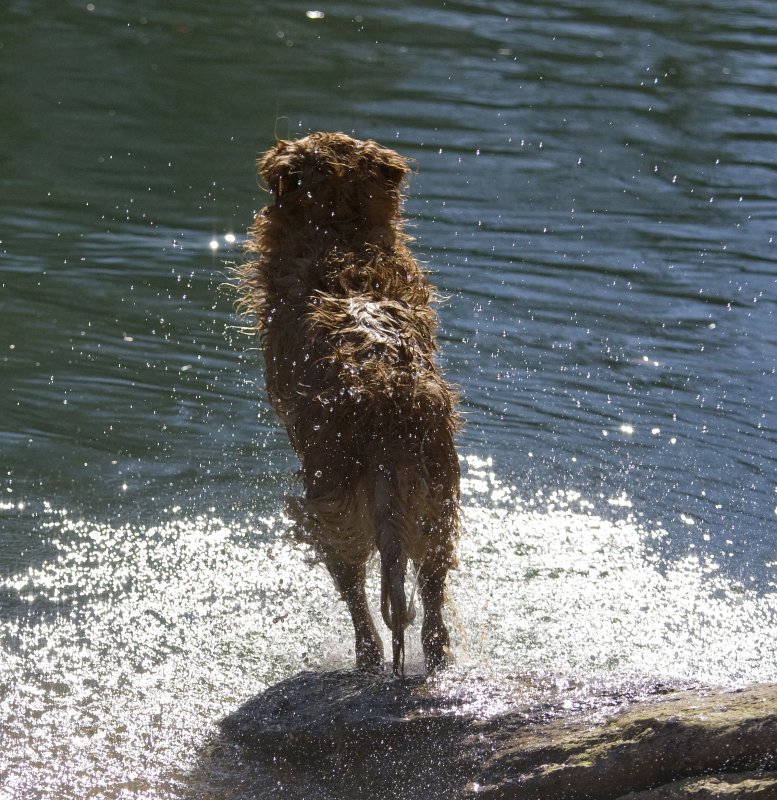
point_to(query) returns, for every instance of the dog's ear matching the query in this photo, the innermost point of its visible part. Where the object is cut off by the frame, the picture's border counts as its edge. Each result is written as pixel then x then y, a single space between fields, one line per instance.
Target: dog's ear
pixel 280 167
pixel 395 170
pixel 386 164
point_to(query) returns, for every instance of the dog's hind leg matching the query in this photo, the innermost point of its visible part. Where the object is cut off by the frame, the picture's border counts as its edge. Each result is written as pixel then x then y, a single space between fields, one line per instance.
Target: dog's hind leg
pixel 434 634
pixel 350 579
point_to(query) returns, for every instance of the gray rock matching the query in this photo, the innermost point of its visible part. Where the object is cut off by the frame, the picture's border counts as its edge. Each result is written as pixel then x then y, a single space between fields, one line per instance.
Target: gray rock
pixel 351 734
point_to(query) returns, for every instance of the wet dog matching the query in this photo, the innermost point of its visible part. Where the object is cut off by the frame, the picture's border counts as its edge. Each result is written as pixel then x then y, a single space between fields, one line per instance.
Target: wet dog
pixel 348 337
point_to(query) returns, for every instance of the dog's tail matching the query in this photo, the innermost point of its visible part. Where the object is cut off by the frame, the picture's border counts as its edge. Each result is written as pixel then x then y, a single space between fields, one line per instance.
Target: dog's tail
pixel 391 524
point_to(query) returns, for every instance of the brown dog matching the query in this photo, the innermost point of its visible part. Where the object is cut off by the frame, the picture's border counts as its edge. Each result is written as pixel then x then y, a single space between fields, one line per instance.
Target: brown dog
pixel 348 339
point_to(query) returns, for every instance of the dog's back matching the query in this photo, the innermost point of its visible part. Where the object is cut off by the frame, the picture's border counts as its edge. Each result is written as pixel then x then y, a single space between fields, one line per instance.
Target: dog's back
pixel 348 339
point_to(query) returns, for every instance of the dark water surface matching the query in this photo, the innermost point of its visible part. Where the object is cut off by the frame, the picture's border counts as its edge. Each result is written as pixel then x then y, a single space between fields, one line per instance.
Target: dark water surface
pixel 597 199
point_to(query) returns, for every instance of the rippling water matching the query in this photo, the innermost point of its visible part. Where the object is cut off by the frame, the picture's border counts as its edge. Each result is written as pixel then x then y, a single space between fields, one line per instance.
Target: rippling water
pixel 596 199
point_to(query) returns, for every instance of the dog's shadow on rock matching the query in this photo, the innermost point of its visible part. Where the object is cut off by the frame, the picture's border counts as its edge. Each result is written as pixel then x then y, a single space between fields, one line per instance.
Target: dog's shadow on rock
pixel 342 734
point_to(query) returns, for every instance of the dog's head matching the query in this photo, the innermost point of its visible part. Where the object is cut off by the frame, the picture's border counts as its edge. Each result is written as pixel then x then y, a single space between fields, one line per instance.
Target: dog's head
pixel 333 176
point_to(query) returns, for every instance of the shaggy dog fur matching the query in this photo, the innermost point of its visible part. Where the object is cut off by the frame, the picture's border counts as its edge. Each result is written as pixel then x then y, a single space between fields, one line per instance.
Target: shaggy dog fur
pixel 347 333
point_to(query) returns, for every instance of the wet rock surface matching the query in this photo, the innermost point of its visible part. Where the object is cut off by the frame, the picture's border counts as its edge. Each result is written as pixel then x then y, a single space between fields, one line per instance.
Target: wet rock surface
pixel 744 786
pixel 350 734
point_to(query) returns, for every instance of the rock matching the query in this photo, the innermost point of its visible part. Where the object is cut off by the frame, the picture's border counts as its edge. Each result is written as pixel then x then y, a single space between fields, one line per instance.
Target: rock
pixel 746 786
pixel 650 744
pixel 351 734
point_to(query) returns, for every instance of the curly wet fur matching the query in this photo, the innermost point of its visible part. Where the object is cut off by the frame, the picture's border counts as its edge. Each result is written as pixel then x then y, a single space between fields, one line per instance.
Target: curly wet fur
pixel 347 332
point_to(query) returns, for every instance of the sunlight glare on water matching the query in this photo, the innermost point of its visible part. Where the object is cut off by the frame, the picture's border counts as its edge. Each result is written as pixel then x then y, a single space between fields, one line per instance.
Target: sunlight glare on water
pixel 127 647
pixel 121 653
pixel 548 583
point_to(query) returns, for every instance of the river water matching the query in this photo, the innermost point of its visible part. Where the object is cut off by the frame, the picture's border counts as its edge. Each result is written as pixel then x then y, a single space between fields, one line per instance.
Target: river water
pixel 596 197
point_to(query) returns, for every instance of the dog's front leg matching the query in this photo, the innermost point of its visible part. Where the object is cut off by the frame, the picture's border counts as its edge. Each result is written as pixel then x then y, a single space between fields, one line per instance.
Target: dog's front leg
pixel 350 582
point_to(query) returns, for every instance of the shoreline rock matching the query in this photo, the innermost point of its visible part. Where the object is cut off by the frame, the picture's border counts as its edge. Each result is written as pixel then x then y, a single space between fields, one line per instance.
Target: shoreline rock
pixel 351 734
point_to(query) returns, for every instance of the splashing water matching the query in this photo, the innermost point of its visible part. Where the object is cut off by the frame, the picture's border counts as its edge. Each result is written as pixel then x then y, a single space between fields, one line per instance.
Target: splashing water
pixel 122 652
